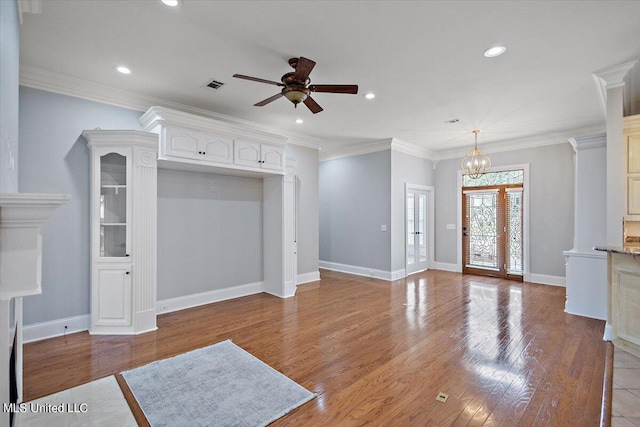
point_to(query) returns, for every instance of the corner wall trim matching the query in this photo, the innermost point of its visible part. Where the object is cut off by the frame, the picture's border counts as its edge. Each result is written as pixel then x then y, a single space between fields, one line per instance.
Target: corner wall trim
pixel 545 279
pixel 357 270
pixel 55 328
pixel 312 276
pixel 203 298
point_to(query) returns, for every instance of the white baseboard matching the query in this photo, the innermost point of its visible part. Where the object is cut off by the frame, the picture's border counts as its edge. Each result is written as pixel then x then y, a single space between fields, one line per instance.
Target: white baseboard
pixel 357 270
pixel 608 332
pixel 445 266
pixel 195 300
pixel 399 274
pixel 55 328
pixel 545 279
pixel 308 277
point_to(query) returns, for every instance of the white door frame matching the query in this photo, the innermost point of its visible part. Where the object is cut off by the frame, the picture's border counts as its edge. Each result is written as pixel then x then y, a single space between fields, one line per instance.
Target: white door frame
pixel 430 223
pixel 526 273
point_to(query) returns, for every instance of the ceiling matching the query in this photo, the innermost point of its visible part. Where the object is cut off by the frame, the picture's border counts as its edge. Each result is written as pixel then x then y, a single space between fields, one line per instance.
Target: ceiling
pixel 423 60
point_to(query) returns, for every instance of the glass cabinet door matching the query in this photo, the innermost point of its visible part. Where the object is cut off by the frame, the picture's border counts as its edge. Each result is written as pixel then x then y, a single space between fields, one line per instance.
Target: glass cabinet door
pixel 113 206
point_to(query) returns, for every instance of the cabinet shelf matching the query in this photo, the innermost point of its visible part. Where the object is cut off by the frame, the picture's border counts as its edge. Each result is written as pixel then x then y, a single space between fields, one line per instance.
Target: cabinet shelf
pixel 113 223
pixel 113 186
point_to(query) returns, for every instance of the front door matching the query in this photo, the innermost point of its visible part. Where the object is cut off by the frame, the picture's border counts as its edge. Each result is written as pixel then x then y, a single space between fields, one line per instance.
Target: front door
pixel 492 231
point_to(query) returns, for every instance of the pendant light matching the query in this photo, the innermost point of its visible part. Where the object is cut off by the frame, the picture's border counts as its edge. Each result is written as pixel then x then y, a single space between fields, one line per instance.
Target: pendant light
pixel 475 162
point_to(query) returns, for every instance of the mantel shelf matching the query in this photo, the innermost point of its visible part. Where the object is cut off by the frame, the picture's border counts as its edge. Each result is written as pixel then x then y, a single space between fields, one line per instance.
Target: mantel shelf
pixel 21 218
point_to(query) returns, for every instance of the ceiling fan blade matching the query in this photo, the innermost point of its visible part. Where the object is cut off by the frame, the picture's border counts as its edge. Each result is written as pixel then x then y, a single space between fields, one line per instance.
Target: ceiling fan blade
pixel 352 89
pixel 268 100
pixel 303 69
pixel 256 79
pixel 313 105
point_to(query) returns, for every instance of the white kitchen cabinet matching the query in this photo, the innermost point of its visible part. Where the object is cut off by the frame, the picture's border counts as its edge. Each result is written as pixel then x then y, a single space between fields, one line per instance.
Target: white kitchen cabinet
pixel 123 232
pixel 631 135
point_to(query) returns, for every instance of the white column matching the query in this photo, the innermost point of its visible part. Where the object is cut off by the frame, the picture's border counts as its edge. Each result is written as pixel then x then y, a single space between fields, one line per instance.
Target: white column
pixel 587 269
pixel 611 83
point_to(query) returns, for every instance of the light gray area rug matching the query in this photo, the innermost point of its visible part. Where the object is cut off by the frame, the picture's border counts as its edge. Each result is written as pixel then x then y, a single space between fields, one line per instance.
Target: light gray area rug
pixel 219 385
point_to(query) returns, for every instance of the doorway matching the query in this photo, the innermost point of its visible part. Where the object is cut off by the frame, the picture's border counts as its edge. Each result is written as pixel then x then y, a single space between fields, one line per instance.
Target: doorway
pixel 492 226
pixel 418 227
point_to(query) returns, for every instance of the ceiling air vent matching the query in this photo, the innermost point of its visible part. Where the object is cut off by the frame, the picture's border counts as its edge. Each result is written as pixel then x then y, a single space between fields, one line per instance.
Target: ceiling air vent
pixel 214 84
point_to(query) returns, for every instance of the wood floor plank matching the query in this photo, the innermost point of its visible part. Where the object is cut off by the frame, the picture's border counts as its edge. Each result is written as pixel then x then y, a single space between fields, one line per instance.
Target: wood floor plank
pixel 377 353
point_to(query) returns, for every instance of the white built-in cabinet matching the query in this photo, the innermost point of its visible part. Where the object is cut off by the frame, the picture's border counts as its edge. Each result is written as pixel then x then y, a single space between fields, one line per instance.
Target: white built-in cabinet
pixel 192 142
pixel 631 138
pixel 123 231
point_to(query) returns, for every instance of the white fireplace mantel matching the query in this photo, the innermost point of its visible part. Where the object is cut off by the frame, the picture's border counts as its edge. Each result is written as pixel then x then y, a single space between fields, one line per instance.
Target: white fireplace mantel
pixel 21 218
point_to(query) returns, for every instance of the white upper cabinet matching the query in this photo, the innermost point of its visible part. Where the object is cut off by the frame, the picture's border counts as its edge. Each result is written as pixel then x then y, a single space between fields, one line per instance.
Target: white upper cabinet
pixel 198 146
pixel 254 154
pixel 192 142
pixel 631 135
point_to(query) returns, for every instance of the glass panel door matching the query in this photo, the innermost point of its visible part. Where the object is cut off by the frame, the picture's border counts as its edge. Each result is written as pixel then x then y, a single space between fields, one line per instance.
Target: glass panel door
pixel 492 231
pixel 417 259
pixel 113 206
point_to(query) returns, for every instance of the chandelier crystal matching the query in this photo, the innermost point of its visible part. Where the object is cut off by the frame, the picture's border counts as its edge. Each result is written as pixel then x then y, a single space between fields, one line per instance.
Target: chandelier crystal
pixel 475 162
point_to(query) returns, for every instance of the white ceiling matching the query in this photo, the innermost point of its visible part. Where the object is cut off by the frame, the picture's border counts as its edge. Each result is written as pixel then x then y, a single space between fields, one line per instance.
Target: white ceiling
pixel 422 59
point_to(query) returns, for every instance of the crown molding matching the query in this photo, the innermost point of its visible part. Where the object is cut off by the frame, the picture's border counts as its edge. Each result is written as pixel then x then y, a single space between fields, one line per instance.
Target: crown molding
pixel 588 142
pixel 356 149
pixel 524 143
pixel 413 150
pixel 38 78
pixel 610 78
pixel 28 6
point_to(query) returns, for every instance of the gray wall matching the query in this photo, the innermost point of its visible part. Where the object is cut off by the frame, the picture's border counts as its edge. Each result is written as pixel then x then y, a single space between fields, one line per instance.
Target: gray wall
pixel 9 71
pixel 404 169
pixel 355 200
pixel 551 205
pixel 54 158
pixel 209 232
pixel 307 207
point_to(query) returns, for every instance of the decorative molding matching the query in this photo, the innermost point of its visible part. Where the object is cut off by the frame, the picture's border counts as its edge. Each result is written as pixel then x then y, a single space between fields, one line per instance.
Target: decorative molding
pixel 38 78
pixel 357 270
pixel 356 149
pixel 55 328
pixel 610 78
pixel 312 276
pixel 588 142
pixel 446 266
pixel 523 143
pixel 581 254
pixel 21 218
pixel 28 6
pixel 545 279
pixel 209 297
pixel 413 150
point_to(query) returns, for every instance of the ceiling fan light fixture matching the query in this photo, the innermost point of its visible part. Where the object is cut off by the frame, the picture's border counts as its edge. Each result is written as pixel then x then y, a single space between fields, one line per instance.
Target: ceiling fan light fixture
pixel 299 121
pixel 370 95
pixel 171 3
pixel 494 51
pixel 295 94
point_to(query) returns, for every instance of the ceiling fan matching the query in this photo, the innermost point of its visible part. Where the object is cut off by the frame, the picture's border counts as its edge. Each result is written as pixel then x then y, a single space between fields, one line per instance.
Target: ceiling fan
pixel 296 85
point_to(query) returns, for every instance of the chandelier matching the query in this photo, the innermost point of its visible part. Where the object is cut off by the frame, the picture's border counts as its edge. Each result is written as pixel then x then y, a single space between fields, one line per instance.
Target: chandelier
pixel 475 162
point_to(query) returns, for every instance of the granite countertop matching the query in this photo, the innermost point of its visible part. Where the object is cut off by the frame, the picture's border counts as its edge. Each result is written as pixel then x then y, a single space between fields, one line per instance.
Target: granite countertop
pixel 632 249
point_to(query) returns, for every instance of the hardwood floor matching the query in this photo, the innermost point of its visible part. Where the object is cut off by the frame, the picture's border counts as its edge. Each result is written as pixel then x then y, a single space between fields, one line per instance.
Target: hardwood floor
pixel 379 352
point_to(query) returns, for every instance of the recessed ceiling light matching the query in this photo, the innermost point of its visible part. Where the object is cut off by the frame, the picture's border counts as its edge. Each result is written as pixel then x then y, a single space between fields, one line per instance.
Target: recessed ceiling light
pixel 298 121
pixel 122 69
pixel 171 3
pixel 370 95
pixel 494 51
